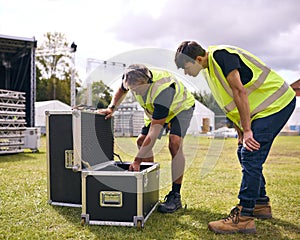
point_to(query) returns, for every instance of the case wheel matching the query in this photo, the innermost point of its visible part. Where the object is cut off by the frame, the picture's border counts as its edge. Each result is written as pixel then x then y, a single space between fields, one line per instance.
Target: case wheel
pixel 139 224
pixel 82 221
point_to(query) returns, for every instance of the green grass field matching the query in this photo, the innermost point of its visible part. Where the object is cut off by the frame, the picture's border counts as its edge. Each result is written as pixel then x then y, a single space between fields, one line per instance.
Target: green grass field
pixel 210 188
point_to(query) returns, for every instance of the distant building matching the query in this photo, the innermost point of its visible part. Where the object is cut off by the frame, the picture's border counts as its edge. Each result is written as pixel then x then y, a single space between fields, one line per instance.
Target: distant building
pixel 296 87
pixel 128 120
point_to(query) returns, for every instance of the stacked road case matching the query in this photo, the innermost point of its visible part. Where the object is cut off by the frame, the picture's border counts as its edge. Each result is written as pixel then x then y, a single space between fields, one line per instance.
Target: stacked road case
pixel 32 139
pixel 12 121
pixel 110 194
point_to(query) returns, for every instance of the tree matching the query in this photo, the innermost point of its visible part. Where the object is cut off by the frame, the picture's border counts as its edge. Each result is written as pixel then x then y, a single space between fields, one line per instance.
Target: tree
pixel 208 101
pixel 54 65
pixel 41 87
pixel 101 95
pixel 200 97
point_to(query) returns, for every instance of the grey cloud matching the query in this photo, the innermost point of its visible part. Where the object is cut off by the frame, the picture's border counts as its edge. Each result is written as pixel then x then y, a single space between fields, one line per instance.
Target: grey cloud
pixel 266 28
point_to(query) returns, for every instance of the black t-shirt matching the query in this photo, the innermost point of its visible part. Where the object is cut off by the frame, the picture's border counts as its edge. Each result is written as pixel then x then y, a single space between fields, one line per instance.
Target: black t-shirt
pixel 229 61
pixel 163 102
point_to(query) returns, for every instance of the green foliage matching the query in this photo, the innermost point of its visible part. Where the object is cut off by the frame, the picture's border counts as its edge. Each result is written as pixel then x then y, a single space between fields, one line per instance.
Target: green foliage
pixel 208 100
pixel 200 97
pixel 54 68
pixel 101 95
pixel 25 213
pixel 42 87
pixel 54 58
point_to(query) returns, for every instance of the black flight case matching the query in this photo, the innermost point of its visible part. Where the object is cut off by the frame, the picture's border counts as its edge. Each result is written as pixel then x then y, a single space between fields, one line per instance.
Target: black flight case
pixel 111 195
pixel 63 184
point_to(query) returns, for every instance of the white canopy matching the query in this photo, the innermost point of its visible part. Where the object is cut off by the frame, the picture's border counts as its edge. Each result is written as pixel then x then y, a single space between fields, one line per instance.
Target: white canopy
pixel 201 112
pixel 42 107
pixel 294 120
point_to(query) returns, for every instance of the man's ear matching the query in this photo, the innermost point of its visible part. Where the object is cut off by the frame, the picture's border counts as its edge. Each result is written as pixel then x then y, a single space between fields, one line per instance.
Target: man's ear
pixel 199 59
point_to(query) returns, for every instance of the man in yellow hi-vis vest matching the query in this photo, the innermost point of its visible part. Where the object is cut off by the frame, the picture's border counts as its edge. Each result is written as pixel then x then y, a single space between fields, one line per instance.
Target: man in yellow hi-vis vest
pixel 166 102
pixel 259 103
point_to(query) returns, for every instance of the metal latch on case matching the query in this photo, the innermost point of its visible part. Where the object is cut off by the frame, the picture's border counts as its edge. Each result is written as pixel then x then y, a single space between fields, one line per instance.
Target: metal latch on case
pixel 69 161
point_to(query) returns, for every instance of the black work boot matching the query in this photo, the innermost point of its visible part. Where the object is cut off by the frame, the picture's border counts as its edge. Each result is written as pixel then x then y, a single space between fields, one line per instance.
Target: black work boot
pixel 171 204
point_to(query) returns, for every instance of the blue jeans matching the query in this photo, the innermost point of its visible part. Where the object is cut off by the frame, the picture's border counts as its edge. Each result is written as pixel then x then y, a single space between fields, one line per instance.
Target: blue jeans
pixel 264 131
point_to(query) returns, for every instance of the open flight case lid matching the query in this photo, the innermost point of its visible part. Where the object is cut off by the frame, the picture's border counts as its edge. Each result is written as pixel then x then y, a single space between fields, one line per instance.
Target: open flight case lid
pixel 93 139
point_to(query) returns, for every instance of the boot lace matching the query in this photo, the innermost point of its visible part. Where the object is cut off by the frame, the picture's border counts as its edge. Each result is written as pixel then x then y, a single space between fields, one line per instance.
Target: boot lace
pixel 233 215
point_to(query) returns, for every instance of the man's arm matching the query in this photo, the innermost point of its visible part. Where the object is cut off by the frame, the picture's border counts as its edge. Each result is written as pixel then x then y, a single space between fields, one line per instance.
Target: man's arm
pixel 116 101
pixel 145 150
pixel 162 104
pixel 241 100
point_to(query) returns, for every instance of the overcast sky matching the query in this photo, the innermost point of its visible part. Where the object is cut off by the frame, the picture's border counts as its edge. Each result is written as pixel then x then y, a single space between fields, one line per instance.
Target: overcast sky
pixel 103 29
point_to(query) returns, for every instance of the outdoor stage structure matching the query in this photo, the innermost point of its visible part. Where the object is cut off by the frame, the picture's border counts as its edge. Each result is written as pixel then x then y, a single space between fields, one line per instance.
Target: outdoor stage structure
pixel 17 91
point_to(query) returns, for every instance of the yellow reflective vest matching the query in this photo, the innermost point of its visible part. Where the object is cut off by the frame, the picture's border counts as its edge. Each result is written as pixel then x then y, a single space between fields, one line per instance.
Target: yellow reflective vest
pixel 267 92
pixel 183 99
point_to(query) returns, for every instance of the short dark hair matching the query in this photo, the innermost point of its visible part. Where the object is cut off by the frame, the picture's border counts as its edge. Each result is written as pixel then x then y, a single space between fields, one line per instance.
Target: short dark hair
pixel 136 73
pixel 188 51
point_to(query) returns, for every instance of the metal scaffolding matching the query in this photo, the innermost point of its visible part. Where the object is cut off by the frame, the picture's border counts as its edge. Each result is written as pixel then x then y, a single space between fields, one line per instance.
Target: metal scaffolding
pixel 12 121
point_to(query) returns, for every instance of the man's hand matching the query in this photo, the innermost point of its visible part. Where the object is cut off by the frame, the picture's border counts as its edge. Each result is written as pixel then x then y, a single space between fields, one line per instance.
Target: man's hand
pixel 135 165
pixel 106 111
pixel 249 142
pixel 240 134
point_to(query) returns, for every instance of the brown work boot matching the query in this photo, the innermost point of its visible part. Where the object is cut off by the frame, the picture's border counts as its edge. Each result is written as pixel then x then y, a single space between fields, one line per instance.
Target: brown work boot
pixel 262 211
pixel 234 223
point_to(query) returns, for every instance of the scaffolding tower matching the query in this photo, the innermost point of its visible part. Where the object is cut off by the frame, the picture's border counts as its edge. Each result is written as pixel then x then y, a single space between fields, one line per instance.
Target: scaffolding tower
pixel 12 121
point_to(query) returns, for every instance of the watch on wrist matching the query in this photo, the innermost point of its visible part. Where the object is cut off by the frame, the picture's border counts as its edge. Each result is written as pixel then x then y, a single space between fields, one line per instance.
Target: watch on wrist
pixel 112 107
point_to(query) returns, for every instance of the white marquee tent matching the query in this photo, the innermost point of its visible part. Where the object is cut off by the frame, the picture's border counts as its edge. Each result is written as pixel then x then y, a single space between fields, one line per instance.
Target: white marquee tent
pixel 201 112
pixel 42 107
pixel 294 121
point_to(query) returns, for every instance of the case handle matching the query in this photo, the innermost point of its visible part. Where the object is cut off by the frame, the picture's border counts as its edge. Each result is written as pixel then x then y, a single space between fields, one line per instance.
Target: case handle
pixel 111 199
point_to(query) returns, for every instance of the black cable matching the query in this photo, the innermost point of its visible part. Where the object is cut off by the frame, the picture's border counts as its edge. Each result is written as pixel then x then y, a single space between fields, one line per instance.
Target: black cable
pixel 118 157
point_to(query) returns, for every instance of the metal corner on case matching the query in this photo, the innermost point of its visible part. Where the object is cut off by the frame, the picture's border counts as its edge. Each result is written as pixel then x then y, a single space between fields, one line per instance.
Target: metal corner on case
pixel 76 113
pixel 85 218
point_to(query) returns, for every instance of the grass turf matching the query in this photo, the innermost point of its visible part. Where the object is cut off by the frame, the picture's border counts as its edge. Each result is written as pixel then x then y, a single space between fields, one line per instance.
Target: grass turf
pixel 210 188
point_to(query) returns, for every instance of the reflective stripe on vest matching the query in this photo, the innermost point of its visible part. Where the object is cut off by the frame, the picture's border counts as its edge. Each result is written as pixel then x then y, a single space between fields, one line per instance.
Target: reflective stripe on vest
pixel 259 82
pixel 182 99
pixel 166 80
